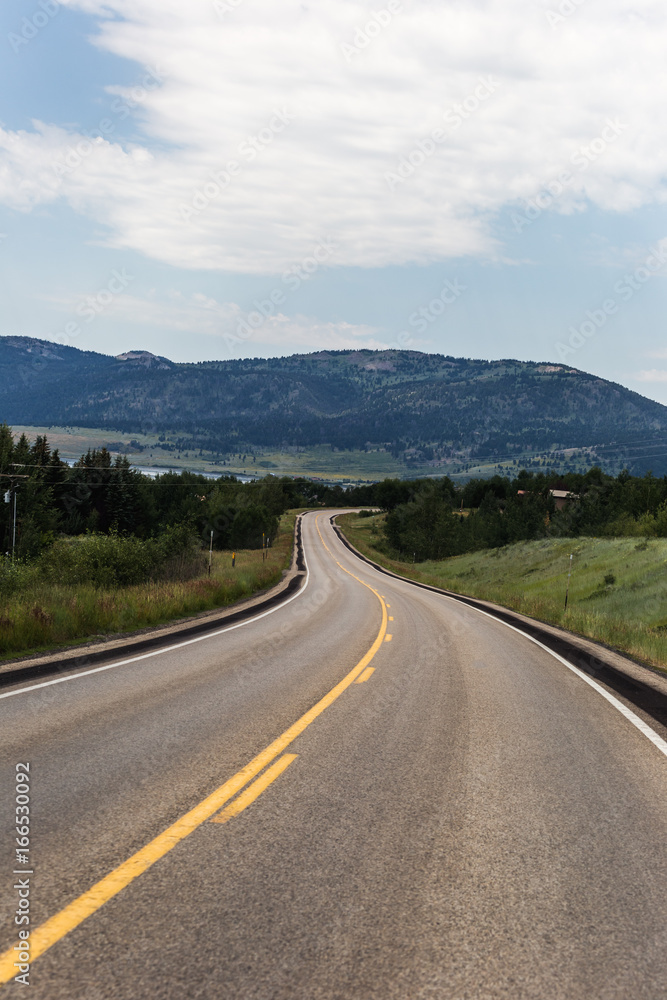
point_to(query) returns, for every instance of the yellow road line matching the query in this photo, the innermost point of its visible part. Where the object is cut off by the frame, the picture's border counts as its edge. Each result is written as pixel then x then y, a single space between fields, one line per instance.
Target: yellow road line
pixel 391 618
pixel 252 792
pixel 388 638
pixel 379 596
pixel 366 674
pixel 56 927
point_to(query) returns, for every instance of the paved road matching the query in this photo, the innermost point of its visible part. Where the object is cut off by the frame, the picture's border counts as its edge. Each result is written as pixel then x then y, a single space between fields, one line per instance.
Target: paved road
pixel 470 820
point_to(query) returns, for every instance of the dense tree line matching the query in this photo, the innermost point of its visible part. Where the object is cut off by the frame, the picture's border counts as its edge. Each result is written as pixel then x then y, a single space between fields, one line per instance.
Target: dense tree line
pixel 104 494
pixel 433 520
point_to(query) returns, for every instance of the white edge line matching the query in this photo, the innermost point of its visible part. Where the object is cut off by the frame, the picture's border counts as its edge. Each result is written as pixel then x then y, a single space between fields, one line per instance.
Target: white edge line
pixel 638 723
pixel 623 709
pixel 164 649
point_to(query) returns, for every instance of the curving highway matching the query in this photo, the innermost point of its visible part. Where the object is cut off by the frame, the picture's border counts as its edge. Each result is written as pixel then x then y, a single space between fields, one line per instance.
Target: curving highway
pixel 372 791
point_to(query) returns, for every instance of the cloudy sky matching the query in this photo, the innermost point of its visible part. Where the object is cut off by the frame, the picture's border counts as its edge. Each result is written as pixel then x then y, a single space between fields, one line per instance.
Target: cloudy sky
pixel 234 178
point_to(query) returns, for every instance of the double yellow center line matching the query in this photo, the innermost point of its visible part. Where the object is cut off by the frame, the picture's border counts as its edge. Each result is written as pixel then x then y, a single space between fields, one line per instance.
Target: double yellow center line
pixel 56 927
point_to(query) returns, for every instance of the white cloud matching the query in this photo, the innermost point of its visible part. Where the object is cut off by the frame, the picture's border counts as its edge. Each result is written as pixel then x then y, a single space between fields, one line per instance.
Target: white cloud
pixel 327 130
pixel 201 314
pixel 239 333
pixel 653 375
pixel 288 334
pixel 196 313
pixel 603 253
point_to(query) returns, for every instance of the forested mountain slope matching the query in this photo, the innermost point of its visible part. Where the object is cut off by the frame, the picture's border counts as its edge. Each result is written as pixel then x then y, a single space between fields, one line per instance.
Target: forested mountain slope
pixel 427 405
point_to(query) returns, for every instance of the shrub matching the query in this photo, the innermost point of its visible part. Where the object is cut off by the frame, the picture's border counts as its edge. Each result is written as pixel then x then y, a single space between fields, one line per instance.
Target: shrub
pixel 248 526
pixel 123 560
pixel 661 521
pixel 9 575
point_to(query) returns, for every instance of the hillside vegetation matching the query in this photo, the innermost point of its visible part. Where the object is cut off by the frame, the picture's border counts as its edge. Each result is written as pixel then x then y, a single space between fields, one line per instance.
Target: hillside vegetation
pixel 435 519
pixel 78 539
pixel 433 412
pixel 618 588
pixel 97 595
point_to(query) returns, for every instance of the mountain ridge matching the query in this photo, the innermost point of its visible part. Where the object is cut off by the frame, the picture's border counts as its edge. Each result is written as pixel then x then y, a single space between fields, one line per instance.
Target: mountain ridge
pixel 427 407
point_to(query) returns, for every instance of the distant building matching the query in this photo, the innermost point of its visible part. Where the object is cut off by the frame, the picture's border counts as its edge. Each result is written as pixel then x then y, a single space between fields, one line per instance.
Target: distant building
pixel 562 497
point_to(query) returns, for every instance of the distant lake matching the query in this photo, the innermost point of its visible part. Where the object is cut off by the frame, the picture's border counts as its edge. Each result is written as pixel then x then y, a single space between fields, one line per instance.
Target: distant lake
pixel 152 471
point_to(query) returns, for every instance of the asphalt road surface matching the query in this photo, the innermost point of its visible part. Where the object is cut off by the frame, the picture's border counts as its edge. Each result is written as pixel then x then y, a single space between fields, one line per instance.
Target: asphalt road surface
pixel 371 792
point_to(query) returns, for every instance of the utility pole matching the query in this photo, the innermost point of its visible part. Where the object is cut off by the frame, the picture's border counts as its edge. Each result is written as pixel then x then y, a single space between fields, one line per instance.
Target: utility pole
pixel 567 589
pixel 8 499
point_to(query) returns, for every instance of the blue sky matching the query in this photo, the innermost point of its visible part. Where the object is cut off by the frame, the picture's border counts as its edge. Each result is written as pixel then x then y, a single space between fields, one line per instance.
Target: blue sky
pixel 233 178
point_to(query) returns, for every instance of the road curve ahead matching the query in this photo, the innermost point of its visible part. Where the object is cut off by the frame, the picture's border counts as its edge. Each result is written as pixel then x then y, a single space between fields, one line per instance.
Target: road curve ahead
pixel 371 792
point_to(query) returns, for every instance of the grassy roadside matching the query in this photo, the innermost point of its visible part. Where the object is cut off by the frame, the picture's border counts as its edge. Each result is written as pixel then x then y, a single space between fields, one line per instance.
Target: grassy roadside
pixel 47 616
pixel 618 589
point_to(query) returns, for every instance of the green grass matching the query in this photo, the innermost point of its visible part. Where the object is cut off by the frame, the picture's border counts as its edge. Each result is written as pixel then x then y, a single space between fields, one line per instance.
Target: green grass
pixel 629 614
pixel 45 616
pixel 316 461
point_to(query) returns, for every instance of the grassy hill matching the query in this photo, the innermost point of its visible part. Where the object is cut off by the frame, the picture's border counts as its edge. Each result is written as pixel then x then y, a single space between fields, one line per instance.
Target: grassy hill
pixel 618 588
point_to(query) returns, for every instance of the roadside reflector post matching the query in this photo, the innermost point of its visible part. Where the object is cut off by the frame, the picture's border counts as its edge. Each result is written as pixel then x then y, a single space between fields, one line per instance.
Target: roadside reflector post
pixel 233 559
pixel 210 553
pixel 567 589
